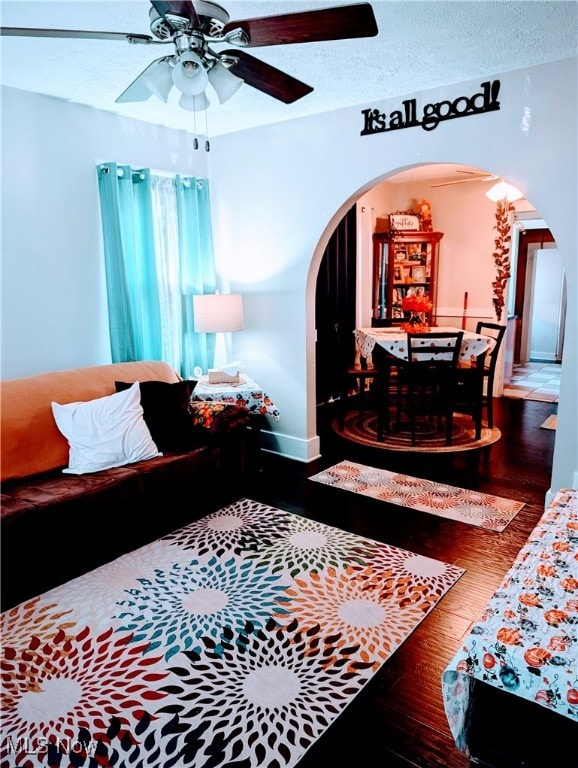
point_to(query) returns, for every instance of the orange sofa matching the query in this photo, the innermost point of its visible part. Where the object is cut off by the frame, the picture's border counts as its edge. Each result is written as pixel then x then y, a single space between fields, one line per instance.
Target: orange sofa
pixel 55 526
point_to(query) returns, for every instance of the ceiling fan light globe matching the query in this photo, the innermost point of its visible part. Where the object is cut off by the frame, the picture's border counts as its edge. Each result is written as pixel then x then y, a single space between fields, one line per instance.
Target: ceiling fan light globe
pixel 225 83
pixel 503 191
pixel 194 103
pixel 189 75
pixel 160 80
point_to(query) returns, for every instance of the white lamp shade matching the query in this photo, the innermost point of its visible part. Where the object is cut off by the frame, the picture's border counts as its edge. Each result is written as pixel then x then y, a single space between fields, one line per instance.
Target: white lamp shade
pixel 160 80
pixel 503 191
pixel 218 313
pixel 194 103
pixel 225 83
pixel 189 75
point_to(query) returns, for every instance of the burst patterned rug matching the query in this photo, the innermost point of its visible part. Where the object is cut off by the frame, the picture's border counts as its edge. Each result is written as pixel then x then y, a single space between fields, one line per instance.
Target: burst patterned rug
pixel 235 641
pixel 473 507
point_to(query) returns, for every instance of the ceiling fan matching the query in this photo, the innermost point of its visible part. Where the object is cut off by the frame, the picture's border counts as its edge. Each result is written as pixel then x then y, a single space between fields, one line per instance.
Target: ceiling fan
pixel 192 27
pixel 473 176
pixel 501 190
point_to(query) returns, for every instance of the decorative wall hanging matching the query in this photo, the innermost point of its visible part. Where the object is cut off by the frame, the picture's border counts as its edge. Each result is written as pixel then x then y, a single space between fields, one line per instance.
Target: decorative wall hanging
pixel 434 113
pixel 417 219
pixel 405 220
pixel 501 253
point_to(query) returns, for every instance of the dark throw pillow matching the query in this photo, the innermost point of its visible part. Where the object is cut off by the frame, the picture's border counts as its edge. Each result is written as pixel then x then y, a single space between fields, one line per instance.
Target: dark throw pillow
pixel 166 412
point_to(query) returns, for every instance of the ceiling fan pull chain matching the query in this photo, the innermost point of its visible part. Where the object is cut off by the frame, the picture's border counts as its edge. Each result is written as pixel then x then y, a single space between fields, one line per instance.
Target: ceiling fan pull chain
pixel 196 140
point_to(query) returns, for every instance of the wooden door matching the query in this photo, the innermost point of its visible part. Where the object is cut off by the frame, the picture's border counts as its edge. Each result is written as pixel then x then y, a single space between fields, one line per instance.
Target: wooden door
pixel 335 305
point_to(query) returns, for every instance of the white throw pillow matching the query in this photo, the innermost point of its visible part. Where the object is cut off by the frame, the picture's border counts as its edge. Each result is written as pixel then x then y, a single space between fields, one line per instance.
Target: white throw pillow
pixel 107 432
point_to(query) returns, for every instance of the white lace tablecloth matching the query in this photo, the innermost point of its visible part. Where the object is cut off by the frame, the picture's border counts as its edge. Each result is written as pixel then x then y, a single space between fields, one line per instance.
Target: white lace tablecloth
pixel 394 341
pixel 526 641
pixel 247 394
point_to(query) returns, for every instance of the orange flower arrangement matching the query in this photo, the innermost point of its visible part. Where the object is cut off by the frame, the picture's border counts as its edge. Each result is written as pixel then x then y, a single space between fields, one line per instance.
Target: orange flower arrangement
pixel 419 306
pixel 413 303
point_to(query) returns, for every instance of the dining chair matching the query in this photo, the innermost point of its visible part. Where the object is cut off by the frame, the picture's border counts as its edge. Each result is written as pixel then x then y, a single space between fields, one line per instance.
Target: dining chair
pixel 353 375
pixel 426 382
pixel 469 372
pixel 386 388
pixel 383 322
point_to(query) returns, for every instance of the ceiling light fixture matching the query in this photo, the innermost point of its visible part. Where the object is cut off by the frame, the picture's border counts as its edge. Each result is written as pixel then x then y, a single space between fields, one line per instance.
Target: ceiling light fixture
pixel 225 83
pixel 159 79
pixel 194 103
pixel 190 75
pixel 503 191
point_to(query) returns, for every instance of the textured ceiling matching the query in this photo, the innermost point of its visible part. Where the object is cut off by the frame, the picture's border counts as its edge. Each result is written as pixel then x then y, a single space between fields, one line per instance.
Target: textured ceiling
pixel 420 45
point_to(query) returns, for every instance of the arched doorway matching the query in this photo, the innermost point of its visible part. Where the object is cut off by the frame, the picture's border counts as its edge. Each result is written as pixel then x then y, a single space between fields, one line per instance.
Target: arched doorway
pixel 420 180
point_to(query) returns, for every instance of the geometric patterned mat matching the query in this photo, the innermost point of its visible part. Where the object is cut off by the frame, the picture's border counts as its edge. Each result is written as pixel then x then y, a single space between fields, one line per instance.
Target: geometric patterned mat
pixel 481 509
pixel 234 641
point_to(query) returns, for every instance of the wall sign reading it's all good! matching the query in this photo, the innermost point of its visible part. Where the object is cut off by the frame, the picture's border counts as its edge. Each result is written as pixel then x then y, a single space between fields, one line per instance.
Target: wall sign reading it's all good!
pixel 433 114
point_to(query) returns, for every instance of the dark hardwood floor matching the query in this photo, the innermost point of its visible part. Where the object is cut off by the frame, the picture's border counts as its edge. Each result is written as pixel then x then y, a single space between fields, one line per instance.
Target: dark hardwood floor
pixel 398 720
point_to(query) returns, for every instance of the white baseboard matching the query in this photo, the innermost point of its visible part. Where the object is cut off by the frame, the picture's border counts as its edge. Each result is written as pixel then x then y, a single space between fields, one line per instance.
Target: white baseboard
pixel 291 447
pixel 550 494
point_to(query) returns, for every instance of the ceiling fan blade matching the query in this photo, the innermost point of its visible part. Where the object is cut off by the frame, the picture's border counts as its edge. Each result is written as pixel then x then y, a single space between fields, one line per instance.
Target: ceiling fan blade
pixel 338 23
pixel 266 78
pixel 138 90
pixel 76 33
pixel 184 8
pixel 464 181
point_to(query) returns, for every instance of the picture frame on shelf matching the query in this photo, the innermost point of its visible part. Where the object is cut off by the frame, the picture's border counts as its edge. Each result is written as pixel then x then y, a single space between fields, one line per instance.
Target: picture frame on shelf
pixel 418 274
pixel 414 251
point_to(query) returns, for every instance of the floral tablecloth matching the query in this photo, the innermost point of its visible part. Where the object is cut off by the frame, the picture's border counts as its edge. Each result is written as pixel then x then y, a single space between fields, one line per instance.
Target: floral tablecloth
pixel 247 394
pixel 394 341
pixel 526 640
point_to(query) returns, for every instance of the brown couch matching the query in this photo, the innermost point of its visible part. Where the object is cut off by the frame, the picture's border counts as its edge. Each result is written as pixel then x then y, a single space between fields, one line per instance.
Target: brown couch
pixel 55 526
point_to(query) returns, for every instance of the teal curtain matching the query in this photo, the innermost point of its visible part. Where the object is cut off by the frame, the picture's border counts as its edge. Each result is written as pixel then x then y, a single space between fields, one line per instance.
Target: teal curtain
pixel 198 265
pixel 158 251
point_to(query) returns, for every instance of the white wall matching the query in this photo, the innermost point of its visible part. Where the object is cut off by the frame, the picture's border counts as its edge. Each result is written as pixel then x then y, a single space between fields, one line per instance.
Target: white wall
pixel 277 194
pixel 280 190
pixel 54 313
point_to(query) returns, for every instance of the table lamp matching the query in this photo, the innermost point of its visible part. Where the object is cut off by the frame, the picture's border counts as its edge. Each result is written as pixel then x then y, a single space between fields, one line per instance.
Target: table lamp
pixel 218 313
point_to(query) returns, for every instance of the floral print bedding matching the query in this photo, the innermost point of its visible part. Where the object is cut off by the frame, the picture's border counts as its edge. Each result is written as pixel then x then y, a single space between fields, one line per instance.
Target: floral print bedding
pixel 526 640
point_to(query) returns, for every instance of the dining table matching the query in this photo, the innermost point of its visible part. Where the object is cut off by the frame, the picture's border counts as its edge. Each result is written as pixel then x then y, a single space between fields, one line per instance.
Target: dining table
pixel 394 341
pixel 392 344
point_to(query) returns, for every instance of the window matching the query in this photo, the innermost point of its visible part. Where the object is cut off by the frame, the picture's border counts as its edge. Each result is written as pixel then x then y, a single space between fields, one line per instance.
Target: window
pixel 158 254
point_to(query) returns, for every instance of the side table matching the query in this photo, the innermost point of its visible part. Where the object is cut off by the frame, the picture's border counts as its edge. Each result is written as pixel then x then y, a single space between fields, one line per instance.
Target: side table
pixel 246 394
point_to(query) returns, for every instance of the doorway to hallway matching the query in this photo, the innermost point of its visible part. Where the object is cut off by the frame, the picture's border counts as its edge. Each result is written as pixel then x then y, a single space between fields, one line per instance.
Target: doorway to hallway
pixel 534 381
pixel 540 298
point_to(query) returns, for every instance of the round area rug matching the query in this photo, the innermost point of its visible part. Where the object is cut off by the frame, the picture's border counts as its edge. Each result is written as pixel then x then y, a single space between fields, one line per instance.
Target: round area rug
pixel 362 428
